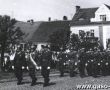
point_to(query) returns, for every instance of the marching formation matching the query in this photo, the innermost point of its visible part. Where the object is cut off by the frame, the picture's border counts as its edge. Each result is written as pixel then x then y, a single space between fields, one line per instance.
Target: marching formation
pixel 84 63
pixel 32 60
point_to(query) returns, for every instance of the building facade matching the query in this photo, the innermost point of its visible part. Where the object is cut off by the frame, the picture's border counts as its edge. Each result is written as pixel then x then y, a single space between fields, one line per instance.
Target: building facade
pixel 93 19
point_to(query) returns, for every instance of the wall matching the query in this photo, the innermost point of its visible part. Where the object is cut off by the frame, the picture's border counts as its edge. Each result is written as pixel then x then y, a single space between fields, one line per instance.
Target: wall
pixel 75 29
pixel 103 10
pixel 107 31
pixel 101 31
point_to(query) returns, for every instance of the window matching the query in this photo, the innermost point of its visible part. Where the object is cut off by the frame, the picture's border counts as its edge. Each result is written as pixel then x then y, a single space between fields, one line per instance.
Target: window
pixel 103 17
pixel 92 33
pixel 81 33
pixel 88 34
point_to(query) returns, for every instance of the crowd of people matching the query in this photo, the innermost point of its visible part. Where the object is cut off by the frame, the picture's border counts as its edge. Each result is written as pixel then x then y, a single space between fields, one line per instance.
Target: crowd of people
pixel 95 63
pixel 92 62
pixel 33 60
pixel 29 59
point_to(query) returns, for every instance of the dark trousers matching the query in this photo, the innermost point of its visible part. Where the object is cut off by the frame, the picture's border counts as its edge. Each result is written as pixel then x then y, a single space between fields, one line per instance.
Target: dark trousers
pixel 105 70
pixel 61 69
pixel 89 70
pixel 45 73
pixel 19 74
pixel 32 74
pixel 82 70
pixel 62 72
pixel 96 70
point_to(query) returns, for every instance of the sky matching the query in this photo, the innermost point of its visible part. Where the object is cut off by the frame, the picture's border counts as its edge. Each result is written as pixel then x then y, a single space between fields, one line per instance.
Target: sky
pixel 40 10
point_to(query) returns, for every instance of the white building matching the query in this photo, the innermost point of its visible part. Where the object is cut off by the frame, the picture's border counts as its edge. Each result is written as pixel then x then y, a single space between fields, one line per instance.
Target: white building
pixel 97 19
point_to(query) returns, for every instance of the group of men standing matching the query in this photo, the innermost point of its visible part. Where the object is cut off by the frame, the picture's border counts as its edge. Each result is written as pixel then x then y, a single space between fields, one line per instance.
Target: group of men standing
pixel 34 61
pixel 91 63
pixel 94 63
pixel 86 63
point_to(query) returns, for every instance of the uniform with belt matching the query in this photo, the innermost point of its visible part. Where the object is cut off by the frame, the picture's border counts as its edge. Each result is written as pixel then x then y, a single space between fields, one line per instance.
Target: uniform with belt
pixel 32 67
pixel 18 66
pixel 45 60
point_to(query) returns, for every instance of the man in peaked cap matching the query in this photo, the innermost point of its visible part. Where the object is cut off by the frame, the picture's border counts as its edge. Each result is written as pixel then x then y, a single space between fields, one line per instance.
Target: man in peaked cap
pixel 81 63
pixel 45 61
pixel 18 66
pixel 32 66
pixel 62 60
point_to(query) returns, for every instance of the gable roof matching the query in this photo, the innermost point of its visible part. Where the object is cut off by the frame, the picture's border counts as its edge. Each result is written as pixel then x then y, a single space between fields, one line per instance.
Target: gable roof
pixel 27 28
pixel 40 31
pixel 107 6
pixel 47 28
pixel 85 13
pixel 83 16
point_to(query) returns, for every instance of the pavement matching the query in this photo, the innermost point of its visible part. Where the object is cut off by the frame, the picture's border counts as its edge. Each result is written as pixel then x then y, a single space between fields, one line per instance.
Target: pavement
pixel 56 83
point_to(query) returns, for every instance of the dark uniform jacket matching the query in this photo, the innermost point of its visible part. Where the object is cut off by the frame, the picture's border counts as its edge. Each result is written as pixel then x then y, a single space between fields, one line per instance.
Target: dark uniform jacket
pixel 19 59
pixel 45 59
pixel 62 59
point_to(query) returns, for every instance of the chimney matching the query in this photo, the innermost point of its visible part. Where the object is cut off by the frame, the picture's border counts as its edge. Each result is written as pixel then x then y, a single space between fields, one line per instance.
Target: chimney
pixel 49 19
pixel 77 8
pixel 65 18
pixel 31 21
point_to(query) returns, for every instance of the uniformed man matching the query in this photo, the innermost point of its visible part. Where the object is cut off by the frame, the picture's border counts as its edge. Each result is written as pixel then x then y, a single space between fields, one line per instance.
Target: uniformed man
pixel 108 59
pixel 81 63
pixel 45 60
pixel 105 64
pixel 72 58
pixel 18 66
pixel 73 68
pixel 62 60
pixel 30 57
pixel 89 62
pixel 96 63
pixel 37 57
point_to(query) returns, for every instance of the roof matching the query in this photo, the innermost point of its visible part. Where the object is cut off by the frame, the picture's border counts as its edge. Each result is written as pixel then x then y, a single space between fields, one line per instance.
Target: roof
pixel 47 28
pixel 84 13
pixel 40 31
pixel 107 6
pixel 28 28
pixel 83 16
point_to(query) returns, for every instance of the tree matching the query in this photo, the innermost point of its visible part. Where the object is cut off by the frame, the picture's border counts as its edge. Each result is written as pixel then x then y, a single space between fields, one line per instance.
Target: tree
pixel 59 39
pixel 74 42
pixel 8 34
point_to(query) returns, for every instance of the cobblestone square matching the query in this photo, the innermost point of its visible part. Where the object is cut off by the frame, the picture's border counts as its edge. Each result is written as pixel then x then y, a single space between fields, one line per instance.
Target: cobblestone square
pixel 56 83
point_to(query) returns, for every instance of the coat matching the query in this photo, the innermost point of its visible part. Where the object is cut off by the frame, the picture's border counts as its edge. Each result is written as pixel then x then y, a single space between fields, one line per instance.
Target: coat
pixel 45 59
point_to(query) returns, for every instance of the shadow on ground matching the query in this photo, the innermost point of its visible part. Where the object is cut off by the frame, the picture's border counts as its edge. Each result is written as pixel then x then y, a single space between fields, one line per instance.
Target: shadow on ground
pixel 51 83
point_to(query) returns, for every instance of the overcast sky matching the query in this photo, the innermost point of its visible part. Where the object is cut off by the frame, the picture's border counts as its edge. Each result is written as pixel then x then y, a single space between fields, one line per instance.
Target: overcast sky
pixel 42 9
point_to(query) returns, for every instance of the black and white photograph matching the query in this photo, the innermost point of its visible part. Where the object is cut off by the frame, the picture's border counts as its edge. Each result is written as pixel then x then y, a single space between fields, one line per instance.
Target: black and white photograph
pixel 54 44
